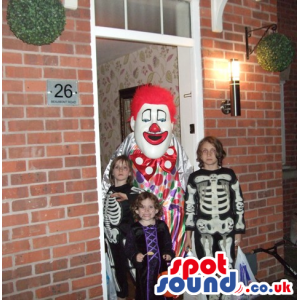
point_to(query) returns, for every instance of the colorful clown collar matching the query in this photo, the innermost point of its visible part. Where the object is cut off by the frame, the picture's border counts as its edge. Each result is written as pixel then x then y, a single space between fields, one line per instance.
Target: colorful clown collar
pixel 147 166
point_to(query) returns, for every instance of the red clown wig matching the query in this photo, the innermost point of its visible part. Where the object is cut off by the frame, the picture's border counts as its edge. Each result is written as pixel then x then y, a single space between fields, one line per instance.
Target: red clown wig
pixel 152 94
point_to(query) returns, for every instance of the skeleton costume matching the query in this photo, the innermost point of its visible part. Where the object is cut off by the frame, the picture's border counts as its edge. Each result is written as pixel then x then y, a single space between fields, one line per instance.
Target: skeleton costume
pixel 165 177
pixel 214 208
pixel 117 222
pixel 142 239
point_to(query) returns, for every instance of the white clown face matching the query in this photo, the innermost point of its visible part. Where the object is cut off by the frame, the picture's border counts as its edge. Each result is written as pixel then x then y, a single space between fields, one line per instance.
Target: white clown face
pixel 153 129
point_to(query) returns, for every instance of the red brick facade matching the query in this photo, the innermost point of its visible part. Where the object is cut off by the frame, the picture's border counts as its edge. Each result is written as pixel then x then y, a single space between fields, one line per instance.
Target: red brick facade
pixel 51 229
pixel 50 206
pixel 253 140
pixel 287 24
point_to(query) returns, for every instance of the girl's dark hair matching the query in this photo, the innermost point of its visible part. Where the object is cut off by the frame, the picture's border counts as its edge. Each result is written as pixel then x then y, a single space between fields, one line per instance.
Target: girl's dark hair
pixel 123 159
pixel 143 196
pixel 221 154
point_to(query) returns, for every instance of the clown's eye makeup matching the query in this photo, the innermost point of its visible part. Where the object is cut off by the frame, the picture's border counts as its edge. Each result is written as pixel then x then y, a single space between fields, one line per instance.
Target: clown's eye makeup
pixel 161 116
pixel 146 116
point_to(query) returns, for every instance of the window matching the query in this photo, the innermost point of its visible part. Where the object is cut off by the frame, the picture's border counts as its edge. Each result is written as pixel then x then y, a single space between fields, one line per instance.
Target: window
pixel 171 17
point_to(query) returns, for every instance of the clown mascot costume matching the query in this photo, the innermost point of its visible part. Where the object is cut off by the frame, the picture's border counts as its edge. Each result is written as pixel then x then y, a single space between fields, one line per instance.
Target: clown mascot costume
pixel 160 165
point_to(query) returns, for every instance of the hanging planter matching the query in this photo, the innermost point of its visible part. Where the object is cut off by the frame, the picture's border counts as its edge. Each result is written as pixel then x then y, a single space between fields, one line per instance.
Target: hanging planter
pixel 275 52
pixel 36 22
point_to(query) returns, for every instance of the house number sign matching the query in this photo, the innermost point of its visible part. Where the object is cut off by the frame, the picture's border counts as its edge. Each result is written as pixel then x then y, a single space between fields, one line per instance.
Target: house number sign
pixel 62 92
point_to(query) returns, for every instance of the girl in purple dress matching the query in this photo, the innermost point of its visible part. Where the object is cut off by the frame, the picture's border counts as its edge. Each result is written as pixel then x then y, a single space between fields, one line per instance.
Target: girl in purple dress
pixel 148 245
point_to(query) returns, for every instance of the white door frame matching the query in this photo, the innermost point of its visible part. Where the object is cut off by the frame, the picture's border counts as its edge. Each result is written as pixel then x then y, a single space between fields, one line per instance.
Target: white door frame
pixel 196 114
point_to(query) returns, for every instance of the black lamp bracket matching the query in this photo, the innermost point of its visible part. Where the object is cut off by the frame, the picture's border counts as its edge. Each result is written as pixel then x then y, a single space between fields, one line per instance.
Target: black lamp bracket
pixel 226 107
pixel 249 50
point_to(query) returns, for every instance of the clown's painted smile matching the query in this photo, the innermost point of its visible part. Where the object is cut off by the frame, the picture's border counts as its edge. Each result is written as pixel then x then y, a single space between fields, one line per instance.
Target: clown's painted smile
pixel 155 138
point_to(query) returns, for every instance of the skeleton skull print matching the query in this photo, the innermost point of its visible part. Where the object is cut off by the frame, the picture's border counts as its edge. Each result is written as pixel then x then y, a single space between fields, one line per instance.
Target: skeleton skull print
pixel 214 208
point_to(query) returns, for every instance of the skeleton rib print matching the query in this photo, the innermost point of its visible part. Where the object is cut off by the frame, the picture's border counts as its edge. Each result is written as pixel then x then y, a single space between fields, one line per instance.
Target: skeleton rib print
pixel 112 216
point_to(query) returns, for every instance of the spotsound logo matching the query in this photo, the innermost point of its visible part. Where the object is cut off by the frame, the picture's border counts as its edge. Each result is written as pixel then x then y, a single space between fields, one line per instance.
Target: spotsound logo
pixel 211 276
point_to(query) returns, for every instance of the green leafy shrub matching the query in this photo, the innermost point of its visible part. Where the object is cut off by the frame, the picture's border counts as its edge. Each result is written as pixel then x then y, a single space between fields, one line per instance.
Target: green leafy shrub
pixel 37 22
pixel 275 52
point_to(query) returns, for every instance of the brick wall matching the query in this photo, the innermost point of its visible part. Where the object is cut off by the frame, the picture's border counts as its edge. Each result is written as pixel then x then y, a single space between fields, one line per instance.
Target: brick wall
pixel 50 209
pixel 253 140
pixel 50 212
pixel 287 24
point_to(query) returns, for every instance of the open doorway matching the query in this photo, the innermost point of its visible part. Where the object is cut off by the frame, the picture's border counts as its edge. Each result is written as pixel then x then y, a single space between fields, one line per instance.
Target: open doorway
pixel 190 89
pixel 152 63
pixel 132 65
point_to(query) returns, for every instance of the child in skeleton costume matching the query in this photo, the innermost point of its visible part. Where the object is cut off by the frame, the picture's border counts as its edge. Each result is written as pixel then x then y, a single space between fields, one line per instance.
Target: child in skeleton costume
pixel 148 245
pixel 160 165
pixel 214 204
pixel 118 219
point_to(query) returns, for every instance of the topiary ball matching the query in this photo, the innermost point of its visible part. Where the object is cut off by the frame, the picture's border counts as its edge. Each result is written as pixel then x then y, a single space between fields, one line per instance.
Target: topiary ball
pixel 275 52
pixel 37 22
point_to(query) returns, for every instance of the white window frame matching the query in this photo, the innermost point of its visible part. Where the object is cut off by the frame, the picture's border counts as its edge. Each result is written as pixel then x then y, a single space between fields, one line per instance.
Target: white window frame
pixel 196 85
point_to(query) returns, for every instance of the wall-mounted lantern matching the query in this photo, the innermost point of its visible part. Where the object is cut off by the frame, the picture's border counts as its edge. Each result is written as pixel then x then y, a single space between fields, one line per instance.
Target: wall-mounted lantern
pixel 233 105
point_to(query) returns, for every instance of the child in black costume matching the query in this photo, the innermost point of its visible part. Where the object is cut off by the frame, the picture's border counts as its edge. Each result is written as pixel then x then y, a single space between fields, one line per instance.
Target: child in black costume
pixel 148 245
pixel 118 220
pixel 214 205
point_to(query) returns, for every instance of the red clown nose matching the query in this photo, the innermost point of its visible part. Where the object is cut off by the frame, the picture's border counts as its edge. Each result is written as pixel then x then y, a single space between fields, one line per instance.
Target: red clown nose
pixel 154 128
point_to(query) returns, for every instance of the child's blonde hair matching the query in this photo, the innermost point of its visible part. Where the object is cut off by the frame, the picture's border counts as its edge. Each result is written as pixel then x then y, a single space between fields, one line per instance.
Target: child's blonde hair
pixel 123 159
pixel 143 196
